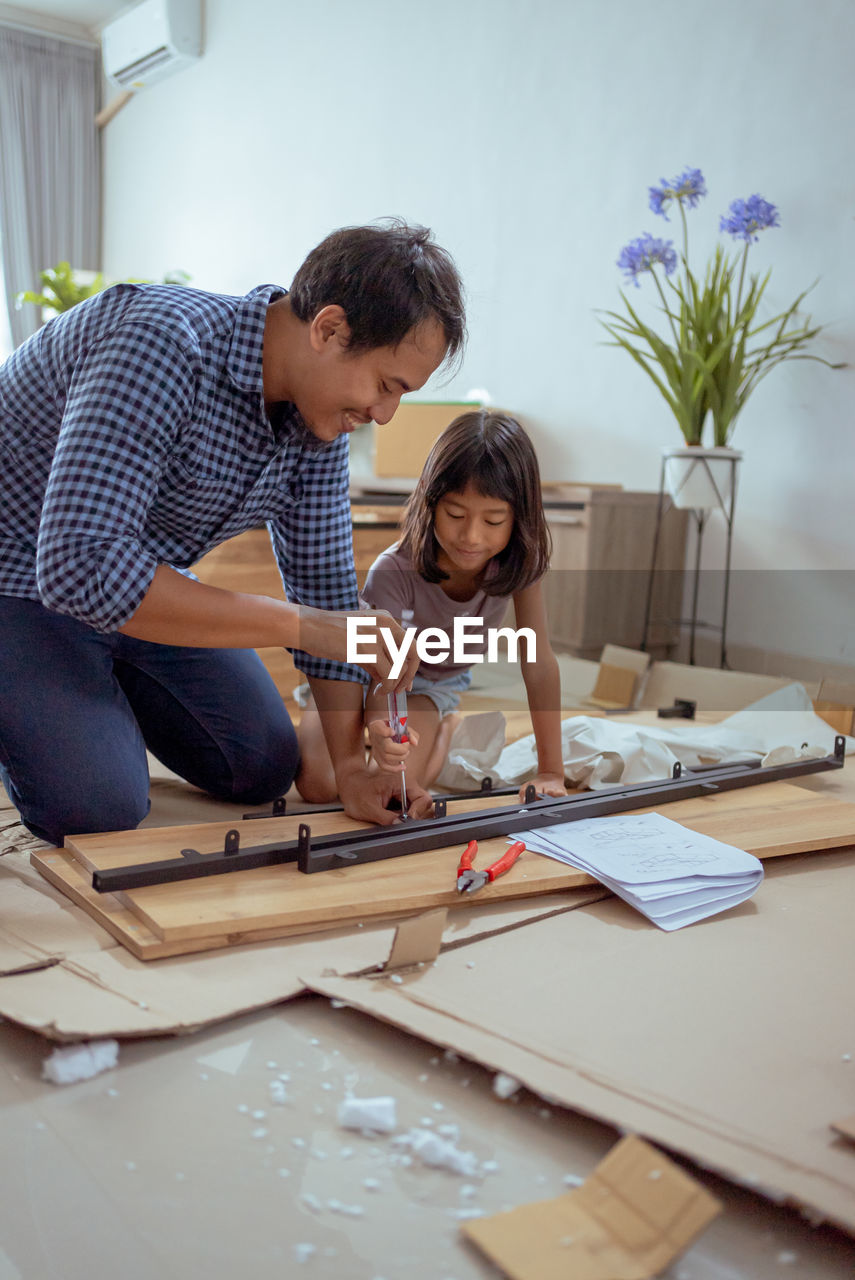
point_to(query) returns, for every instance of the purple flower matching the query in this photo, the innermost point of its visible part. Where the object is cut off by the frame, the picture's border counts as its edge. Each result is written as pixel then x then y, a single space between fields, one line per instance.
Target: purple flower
pixel 687 189
pixel 642 254
pixel 747 217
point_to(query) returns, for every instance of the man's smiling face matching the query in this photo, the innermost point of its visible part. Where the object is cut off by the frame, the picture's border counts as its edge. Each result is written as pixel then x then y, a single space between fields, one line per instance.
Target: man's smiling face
pixel 337 389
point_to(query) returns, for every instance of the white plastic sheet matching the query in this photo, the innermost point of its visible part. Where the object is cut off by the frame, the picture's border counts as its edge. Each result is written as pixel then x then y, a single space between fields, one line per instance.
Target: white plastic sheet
pixel 602 752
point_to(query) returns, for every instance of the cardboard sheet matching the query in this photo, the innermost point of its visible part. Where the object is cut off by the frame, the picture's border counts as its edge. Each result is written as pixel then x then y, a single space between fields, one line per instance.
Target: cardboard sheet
pixel 726 1041
pixel 632 1217
pixel 66 977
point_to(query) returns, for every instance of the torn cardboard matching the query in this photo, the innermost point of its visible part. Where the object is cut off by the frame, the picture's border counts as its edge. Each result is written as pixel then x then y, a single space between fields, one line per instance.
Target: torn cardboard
pixel 722 1042
pixel 68 979
pixel 846 1128
pixel 632 1217
pixel 418 940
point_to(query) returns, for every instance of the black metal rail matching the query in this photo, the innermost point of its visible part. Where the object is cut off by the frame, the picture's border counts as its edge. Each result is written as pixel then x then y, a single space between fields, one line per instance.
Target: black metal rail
pixel 373 844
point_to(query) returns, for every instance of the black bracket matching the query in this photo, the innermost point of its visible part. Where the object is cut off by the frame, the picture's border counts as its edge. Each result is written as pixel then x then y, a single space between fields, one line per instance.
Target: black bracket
pixel 373 844
pixel 279 807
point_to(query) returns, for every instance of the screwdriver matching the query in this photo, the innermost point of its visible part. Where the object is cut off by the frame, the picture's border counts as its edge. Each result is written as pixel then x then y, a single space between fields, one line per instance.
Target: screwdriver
pixel 397 707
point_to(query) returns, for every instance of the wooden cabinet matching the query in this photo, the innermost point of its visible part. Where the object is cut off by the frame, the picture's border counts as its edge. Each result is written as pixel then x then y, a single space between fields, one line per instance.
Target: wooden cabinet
pixel 375 527
pixel 596 588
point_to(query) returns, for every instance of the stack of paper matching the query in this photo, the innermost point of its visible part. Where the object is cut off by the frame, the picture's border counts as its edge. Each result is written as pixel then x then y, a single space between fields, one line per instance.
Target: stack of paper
pixel 670 874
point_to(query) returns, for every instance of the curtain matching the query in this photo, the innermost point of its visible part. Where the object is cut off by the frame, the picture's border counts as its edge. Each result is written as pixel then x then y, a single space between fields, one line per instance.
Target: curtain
pixel 50 171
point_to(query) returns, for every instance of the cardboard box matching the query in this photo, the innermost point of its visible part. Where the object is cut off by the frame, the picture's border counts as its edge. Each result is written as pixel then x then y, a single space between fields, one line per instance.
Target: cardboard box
pixel 401 447
pixel 619 678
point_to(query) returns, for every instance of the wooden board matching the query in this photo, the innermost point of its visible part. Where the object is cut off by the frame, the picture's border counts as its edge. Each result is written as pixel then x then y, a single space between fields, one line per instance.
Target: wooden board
pixel 767 820
pixel 65 873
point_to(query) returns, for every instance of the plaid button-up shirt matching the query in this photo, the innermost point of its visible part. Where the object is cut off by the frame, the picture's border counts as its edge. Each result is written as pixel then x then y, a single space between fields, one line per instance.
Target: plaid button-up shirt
pixel 134 433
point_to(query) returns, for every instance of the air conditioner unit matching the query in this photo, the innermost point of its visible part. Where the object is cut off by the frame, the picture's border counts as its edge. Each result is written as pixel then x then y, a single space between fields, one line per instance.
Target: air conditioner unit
pixel 151 41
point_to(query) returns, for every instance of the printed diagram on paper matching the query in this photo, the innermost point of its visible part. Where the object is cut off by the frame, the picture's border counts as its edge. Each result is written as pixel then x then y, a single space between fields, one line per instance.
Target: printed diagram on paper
pixel 648 848
pixel 670 874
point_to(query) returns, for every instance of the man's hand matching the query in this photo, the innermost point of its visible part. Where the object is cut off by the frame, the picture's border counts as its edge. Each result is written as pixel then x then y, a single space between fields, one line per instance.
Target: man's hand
pixel 365 795
pixel 324 633
pixel 546 784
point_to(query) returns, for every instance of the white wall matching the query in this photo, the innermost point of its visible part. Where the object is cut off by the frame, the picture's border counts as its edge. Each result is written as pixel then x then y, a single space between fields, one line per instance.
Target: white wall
pixel 526 133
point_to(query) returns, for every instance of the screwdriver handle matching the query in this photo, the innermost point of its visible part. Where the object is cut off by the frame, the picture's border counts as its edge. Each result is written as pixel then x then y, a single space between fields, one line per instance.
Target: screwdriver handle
pixel 397 716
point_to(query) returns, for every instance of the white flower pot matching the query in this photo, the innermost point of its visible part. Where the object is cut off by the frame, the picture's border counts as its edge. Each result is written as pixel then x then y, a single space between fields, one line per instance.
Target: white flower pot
pixel 701 478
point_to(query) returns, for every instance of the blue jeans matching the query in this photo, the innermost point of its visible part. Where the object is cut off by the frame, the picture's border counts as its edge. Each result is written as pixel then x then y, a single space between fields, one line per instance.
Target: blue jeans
pixel 78 710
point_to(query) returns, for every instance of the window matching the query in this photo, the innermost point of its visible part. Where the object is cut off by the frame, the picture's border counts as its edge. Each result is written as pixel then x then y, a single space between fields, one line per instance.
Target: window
pixel 6 344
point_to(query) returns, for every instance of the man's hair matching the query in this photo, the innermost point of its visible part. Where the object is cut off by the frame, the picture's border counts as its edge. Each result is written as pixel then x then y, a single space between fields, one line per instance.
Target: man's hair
pixel 388 278
pixel 493 453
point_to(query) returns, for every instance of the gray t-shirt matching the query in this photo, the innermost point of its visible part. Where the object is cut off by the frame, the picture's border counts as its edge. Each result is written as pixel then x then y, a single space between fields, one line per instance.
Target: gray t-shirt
pixel 392 583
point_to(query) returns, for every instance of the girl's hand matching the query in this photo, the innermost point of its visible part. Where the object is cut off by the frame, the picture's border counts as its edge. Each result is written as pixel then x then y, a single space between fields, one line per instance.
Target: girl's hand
pixel 391 756
pixel 547 784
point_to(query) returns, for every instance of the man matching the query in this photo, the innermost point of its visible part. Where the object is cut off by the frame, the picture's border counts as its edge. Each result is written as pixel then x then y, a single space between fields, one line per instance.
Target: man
pixel 144 427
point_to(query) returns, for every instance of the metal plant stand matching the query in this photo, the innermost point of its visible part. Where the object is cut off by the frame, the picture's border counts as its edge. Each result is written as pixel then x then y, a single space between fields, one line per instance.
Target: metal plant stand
pixel 724 503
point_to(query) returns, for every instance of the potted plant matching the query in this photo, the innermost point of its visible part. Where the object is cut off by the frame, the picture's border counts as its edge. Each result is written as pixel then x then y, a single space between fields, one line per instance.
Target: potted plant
pixel 711 348
pixel 63 286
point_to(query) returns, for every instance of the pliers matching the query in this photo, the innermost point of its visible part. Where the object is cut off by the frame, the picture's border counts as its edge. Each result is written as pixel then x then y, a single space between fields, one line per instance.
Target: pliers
pixel 470 881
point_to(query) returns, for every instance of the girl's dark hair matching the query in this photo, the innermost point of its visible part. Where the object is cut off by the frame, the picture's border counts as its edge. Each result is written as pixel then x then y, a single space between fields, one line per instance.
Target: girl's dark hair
pixel 492 452
pixel 388 278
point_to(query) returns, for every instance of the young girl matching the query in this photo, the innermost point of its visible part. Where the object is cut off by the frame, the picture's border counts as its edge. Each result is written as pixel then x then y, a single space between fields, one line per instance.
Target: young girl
pixel 474 536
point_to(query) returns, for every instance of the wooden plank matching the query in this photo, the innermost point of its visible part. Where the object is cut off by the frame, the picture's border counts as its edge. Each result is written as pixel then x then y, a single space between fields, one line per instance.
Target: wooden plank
pixel 769 821
pixel 270 897
pixel 64 872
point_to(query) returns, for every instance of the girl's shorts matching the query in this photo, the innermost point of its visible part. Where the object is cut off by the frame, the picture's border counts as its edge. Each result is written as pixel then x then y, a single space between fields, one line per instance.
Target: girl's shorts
pixel 444 694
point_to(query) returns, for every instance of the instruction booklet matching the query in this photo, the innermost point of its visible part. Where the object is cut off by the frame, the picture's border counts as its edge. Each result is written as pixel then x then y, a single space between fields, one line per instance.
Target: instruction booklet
pixel 670 874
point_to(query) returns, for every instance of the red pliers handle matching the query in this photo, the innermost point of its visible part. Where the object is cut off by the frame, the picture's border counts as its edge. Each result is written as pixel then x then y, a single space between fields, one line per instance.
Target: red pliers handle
pixel 469 880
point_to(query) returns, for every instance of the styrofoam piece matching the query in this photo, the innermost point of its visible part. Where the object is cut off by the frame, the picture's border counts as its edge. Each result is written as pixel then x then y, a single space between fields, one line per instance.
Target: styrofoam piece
pixel 370 1115
pixel 80 1061
pixel 435 1151
pixel 504 1086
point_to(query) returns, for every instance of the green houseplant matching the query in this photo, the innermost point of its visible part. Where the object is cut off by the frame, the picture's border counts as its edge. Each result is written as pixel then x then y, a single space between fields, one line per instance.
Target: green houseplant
pixel 711 347
pixel 62 290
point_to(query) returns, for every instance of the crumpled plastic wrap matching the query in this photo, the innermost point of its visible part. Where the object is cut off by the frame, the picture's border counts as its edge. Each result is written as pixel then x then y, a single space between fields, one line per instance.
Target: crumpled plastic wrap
pixel 601 752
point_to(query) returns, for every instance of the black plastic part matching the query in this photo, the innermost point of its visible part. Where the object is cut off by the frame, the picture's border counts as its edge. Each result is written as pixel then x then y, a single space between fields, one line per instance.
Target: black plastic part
pixel 373 844
pixel 683 709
